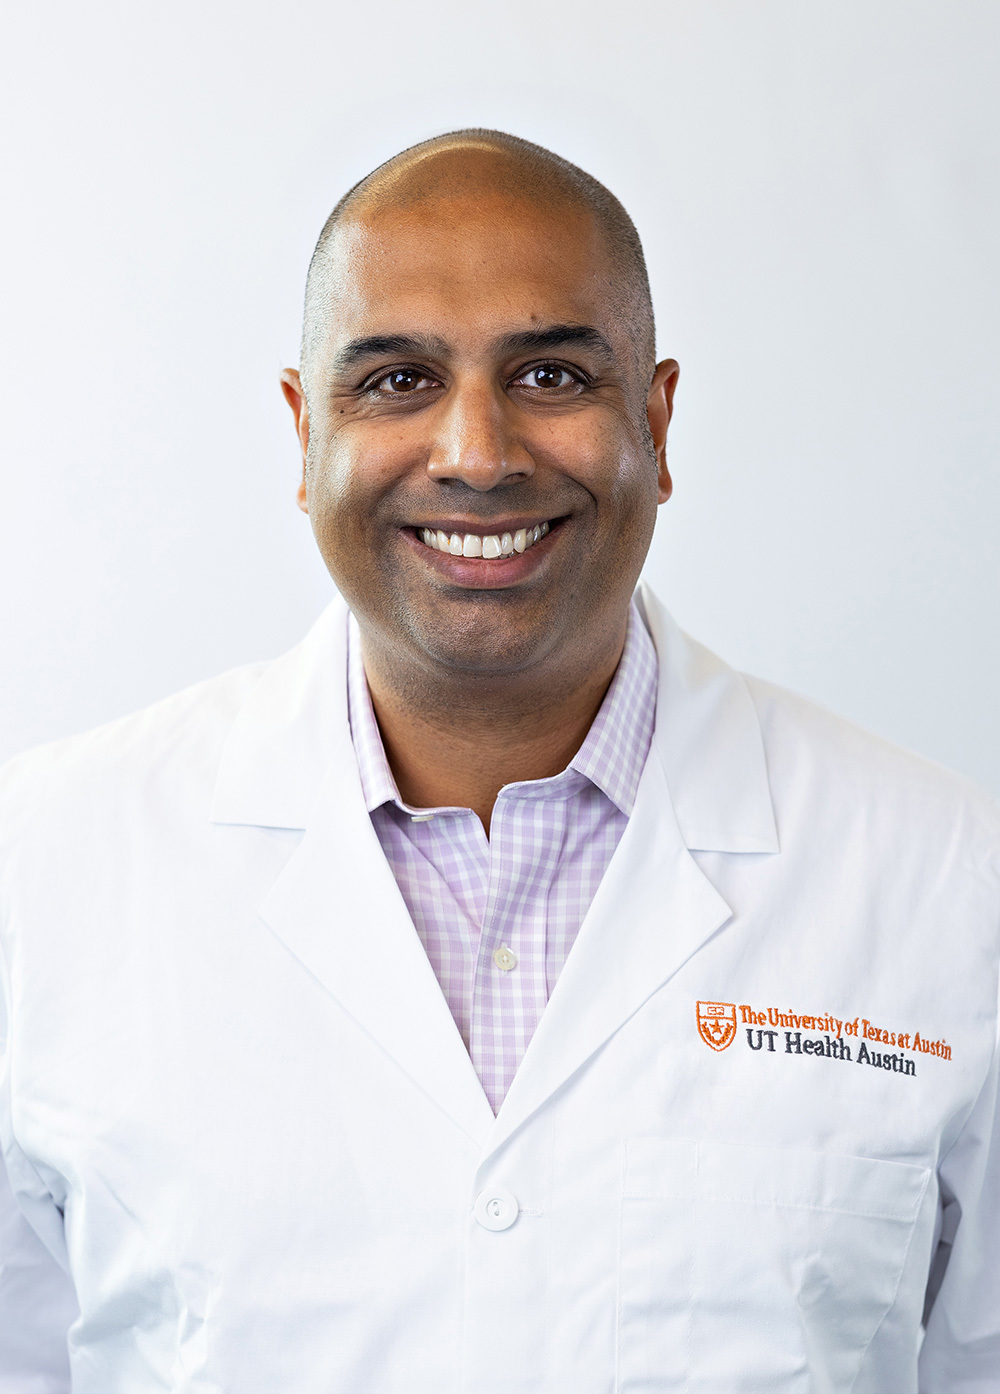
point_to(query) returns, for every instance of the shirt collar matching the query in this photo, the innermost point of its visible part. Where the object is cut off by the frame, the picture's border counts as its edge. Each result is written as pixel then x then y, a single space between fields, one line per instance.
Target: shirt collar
pixel 611 757
pixel 377 782
pixel 614 751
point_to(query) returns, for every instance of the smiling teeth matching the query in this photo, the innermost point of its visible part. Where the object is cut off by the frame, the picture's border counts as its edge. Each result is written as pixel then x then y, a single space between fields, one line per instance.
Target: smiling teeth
pixel 490 547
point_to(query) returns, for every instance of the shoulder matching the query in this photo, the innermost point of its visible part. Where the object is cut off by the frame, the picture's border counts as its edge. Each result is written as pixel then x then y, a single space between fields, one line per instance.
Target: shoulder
pixel 153 775
pixel 178 738
pixel 821 761
pixel 738 747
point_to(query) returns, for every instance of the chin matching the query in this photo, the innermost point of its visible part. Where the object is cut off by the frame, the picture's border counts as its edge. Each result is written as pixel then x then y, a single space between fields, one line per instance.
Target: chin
pixel 484 647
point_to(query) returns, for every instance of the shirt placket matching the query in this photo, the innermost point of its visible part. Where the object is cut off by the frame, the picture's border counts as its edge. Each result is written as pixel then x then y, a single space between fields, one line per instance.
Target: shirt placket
pixel 509 984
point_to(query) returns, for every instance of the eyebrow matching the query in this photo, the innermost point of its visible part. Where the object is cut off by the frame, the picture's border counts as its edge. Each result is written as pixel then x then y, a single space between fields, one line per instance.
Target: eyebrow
pixel 383 345
pixel 556 336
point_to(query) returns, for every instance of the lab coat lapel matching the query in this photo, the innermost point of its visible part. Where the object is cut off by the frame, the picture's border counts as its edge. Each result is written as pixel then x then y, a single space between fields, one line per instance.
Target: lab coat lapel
pixel 704 787
pixel 289 762
pixel 652 911
pixel 337 907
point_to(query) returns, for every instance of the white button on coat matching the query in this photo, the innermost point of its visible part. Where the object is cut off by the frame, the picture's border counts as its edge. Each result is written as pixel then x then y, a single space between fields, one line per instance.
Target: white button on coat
pixel 495 1209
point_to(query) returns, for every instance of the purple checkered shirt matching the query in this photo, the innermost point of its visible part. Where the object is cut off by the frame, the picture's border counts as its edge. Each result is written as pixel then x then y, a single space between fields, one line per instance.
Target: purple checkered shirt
pixel 497 917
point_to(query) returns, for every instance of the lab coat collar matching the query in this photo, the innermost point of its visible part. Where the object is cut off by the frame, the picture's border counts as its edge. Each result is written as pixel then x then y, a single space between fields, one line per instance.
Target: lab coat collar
pixel 287 731
pixel 707 734
pixel 709 738
pixel 289 763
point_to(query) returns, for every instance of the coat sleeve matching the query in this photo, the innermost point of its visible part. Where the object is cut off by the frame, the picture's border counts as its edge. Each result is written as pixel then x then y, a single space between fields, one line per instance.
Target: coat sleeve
pixel 961 1349
pixel 37 1298
pixel 37 1305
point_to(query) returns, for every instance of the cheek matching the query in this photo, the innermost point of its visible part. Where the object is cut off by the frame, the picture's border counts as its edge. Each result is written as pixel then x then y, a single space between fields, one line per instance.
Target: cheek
pixel 604 452
pixel 348 485
pixel 340 489
pixel 351 469
pixel 621 476
pixel 635 494
pixel 337 510
pixel 636 480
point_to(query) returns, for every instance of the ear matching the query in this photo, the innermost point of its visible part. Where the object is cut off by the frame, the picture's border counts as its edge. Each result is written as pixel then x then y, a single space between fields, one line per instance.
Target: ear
pixel 659 409
pixel 291 386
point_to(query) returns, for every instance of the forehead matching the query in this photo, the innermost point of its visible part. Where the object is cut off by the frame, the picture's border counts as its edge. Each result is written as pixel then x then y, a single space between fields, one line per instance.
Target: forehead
pixel 468 268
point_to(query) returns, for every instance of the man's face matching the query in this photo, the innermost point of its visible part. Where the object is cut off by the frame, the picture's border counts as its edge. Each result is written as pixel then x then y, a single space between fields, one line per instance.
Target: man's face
pixel 478 390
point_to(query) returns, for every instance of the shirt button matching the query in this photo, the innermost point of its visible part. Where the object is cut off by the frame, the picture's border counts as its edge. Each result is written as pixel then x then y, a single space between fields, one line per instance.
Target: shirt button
pixel 496 1209
pixel 505 958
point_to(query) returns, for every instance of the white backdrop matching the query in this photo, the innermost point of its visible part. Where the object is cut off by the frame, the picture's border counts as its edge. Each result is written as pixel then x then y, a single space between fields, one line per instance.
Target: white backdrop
pixel 816 185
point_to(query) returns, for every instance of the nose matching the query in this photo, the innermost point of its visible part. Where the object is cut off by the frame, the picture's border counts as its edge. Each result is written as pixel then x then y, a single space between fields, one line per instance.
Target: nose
pixel 476 441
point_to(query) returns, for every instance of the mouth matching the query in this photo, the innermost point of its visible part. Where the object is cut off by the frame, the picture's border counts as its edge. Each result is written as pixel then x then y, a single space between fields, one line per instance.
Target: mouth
pixel 490 546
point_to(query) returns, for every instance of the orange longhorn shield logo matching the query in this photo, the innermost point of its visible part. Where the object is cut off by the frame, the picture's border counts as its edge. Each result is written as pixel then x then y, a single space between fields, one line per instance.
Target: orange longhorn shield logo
pixel 717 1023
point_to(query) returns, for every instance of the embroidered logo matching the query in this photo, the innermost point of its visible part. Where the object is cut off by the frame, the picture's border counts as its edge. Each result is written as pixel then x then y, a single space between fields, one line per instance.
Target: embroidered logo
pixel 774 1032
pixel 717 1023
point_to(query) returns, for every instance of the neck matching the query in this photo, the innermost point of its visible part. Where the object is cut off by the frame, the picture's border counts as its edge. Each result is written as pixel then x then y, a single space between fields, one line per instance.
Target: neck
pixel 456 742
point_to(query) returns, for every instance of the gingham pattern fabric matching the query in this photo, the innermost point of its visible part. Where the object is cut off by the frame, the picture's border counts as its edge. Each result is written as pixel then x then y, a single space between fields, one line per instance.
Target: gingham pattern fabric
pixel 527 888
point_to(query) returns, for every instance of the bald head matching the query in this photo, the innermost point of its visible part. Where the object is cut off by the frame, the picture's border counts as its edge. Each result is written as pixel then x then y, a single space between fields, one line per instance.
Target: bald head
pixel 467 164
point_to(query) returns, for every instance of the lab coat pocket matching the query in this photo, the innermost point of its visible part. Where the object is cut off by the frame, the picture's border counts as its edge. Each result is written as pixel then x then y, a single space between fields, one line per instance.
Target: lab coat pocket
pixel 750 1268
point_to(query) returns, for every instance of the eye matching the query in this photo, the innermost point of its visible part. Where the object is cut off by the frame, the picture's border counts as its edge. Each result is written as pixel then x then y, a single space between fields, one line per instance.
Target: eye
pixel 548 376
pixel 402 381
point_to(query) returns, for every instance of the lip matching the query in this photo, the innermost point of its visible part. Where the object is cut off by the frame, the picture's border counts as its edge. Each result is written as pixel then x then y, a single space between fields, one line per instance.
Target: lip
pixel 484 527
pixel 477 573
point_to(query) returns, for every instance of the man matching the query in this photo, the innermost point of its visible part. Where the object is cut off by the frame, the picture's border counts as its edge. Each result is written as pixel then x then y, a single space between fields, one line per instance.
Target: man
pixel 497 993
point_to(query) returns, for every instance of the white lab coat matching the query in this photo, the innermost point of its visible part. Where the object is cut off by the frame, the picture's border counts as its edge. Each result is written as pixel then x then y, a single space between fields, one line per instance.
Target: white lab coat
pixel 236 1109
